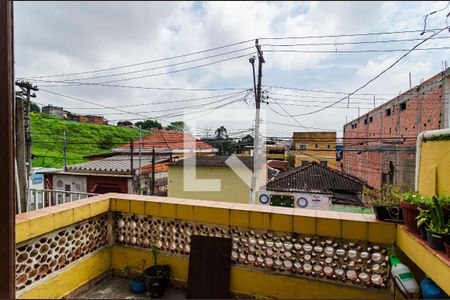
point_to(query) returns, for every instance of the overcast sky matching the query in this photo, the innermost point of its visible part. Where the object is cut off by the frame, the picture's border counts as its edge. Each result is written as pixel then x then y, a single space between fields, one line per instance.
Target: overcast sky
pixel 54 38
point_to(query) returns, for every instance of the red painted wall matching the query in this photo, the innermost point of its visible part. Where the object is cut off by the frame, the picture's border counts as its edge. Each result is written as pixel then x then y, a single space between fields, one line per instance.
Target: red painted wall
pixel 106 184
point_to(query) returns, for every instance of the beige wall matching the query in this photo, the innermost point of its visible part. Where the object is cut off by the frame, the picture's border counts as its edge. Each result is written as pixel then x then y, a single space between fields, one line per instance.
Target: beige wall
pixel 233 189
pixel 325 150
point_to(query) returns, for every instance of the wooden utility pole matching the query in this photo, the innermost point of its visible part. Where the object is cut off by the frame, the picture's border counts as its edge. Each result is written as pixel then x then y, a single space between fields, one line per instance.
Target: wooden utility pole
pixel 153 171
pixel 7 191
pixel 139 161
pixel 65 150
pixel 132 166
pixel 256 141
pixel 22 184
pixel 26 88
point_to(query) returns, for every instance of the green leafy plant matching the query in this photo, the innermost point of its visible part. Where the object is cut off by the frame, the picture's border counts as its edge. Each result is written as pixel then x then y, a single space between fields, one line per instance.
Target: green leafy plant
pixel 416 198
pixel 388 195
pixel 433 218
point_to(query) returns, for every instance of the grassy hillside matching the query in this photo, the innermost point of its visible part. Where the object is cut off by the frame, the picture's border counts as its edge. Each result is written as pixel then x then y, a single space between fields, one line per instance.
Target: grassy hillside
pixel 82 139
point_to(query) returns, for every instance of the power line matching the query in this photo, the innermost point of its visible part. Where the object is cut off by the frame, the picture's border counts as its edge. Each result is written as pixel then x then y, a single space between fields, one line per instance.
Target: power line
pixel 163 102
pixel 155 74
pixel 355 51
pixel 350 43
pixel 142 63
pixel 344 35
pixel 377 76
pixel 156 68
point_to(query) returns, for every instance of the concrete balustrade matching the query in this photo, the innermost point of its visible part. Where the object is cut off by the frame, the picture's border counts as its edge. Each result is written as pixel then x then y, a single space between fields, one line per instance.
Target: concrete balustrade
pixel 357 230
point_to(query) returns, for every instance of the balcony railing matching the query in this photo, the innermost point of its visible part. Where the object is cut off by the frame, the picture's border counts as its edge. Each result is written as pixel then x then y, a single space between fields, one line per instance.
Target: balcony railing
pixel 38 198
pixel 287 252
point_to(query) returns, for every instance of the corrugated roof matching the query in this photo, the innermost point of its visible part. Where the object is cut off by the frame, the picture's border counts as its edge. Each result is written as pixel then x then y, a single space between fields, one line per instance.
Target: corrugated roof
pixel 215 161
pixel 314 177
pixel 167 140
pixel 116 164
pixel 278 164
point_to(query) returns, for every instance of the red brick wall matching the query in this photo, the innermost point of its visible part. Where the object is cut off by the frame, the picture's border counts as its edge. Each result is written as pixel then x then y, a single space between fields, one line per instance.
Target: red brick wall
pixel 401 126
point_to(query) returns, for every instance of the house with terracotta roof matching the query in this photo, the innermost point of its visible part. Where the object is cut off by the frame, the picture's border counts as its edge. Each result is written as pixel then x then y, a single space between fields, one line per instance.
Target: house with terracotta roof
pixel 169 142
pixel 112 174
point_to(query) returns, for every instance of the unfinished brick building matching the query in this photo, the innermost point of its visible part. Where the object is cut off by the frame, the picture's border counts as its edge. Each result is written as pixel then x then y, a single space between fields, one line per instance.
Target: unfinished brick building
pixel 380 146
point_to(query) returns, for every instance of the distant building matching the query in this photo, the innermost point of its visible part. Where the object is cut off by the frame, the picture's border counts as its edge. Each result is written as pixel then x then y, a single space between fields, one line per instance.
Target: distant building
pixel 232 187
pixel 125 124
pixel 317 147
pixel 380 146
pixel 111 174
pixel 312 186
pixel 99 120
pixel 53 110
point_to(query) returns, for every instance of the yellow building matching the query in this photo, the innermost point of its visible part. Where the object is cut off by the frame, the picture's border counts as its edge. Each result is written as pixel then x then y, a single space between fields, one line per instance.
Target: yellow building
pixel 315 146
pixel 273 152
pixel 231 187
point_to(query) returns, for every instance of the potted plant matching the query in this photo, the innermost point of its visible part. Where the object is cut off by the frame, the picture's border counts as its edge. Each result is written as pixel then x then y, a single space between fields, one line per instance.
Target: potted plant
pixel 410 203
pixel 157 276
pixel 447 248
pixel 385 203
pixel 137 284
pixel 436 226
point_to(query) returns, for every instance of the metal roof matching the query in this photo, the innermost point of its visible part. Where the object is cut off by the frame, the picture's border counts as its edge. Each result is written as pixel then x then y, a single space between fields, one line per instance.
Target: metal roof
pixel 314 177
pixel 115 164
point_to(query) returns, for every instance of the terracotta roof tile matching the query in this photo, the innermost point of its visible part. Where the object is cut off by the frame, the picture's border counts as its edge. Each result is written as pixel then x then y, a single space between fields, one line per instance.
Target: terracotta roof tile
pixel 167 139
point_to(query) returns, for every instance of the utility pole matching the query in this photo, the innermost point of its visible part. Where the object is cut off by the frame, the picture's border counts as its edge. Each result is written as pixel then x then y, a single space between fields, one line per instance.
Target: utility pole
pixel 65 150
pixel 153 171
pixel 23 146
pixel 140 157
pixel 26 88
pixel 256 141
pixel 20 160
pixel 131 166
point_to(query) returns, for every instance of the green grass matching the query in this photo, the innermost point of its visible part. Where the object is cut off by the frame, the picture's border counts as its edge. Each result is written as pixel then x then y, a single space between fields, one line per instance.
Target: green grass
pixel 82 139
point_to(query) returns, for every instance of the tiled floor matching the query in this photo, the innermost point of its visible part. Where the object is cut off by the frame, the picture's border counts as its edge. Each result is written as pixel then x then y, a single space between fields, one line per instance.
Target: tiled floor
pixel 119 288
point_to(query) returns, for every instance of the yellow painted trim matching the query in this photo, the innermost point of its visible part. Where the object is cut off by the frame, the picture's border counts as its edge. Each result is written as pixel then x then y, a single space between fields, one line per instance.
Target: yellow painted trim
pixel 426 259
pixel 259 283
pixel 382 232
pixel 137 207
pixel 354 230
pixel 59 284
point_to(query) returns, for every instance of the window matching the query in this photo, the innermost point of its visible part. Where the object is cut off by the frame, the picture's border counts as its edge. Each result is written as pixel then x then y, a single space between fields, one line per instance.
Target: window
pixel 365 121
pixel 305 162
pixel 303 147
pixel 67 187
pixel 316 146
pixel 324 163
pixel 388 112
pixel 402 106
pixel 370 119
pixel 328 146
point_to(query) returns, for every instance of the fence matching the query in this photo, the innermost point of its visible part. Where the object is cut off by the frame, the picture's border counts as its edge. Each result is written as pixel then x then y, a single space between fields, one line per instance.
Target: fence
pixel 43 198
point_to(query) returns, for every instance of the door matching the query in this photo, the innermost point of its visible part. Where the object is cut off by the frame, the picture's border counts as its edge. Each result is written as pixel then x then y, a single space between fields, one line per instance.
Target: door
pixel 209 268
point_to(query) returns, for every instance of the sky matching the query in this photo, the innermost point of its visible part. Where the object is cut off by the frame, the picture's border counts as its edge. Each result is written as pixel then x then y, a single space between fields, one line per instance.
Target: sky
pixel 147 59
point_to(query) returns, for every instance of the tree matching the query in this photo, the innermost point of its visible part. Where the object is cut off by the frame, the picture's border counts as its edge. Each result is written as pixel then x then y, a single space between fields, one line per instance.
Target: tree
pixel 149 124
pixel 106 143
pixel 221 133
pixel 177 126
pixel 34 107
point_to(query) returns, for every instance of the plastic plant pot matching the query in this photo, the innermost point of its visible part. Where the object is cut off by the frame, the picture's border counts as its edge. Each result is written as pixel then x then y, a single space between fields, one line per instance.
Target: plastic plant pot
pixel 138 284
pixel 436 240
pixel 410 212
